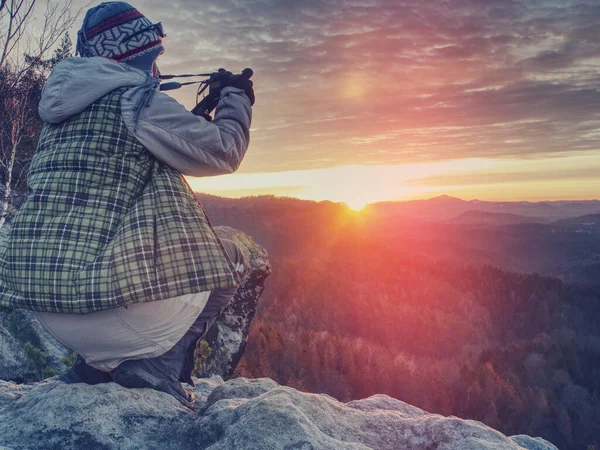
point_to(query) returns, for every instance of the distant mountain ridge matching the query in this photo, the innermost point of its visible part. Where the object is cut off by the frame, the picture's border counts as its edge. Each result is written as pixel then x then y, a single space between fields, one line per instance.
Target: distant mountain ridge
pixel 491 218
pixel 587 220
pixel 551 238
pixel 445 207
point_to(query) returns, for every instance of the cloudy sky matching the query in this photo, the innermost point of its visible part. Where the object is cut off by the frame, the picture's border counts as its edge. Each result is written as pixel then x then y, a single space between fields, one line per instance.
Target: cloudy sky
pixel 371 100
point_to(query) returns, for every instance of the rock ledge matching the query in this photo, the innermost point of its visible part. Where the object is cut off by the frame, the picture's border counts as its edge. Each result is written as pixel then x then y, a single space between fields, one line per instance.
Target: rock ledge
pixel 237 414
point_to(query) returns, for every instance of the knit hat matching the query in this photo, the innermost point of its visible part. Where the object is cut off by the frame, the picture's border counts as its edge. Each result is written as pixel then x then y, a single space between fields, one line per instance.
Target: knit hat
pixel 118 31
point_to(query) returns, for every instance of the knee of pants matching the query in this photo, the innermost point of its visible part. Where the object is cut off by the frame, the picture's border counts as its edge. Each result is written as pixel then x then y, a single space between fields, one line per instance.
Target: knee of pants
pixel 236 256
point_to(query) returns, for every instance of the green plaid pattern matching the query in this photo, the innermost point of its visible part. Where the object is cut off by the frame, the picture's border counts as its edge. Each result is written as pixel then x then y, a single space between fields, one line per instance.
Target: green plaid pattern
pixel 106 224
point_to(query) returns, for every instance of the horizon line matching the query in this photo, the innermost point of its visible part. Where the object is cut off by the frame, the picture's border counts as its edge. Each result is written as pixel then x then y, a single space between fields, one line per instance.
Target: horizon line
pixel 442 196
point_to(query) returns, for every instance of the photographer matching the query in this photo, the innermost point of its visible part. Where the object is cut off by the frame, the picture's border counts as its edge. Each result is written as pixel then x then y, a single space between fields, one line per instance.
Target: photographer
pixel 112 249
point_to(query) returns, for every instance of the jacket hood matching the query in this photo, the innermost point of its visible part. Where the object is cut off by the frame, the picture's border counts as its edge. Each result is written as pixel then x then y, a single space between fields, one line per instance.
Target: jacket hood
pixel 76 83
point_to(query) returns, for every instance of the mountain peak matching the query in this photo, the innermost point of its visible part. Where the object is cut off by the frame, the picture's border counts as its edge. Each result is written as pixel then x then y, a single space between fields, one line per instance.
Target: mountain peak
pixel 447 197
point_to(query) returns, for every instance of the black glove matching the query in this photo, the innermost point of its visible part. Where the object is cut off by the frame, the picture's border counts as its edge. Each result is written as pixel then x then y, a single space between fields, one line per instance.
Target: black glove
pixel 244 83
pixel 220 80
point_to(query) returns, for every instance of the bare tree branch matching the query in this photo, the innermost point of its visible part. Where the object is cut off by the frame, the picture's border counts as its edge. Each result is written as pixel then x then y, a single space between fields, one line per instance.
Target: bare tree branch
pixel 56 21
pixel 23 49
pixel 17 22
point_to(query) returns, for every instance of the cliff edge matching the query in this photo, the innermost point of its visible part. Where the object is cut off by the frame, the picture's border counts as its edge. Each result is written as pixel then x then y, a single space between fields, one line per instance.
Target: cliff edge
pixel 237 414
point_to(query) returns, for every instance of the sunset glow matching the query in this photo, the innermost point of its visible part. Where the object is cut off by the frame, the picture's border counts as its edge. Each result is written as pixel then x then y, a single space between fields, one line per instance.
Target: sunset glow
pixel 356 205
pixel 383 100
pixel 573 176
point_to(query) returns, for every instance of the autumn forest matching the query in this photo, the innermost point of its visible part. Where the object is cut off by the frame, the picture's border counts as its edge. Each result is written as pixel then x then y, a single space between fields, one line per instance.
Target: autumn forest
pixel 352 310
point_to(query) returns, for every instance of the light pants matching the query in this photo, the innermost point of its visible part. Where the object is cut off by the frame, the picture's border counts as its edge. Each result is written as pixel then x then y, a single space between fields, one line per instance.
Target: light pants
pixel 164 331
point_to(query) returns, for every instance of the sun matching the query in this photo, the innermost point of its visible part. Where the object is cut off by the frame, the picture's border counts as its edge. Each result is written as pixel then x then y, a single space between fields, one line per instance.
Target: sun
pixel 356 205
pixel 353 87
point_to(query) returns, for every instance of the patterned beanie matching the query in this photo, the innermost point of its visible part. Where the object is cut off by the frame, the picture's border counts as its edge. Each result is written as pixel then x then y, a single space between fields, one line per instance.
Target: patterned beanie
pixel 118 31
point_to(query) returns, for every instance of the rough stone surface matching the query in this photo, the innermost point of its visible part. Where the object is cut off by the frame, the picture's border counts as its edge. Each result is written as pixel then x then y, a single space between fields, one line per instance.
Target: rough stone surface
pixel 10 392
pixel 19 330
pixel 226 339
pixel 237 414
pixel 19 327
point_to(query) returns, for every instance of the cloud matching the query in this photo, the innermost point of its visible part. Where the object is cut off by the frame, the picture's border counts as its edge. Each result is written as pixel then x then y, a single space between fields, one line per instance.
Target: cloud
pixel 508 177
pixel 364 82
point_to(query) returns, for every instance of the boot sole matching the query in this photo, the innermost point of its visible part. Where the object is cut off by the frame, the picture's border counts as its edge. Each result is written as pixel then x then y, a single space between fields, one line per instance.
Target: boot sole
pixel 134 380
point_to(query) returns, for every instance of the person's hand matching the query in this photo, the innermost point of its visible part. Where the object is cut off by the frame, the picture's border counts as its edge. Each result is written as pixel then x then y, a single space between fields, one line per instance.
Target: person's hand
pixel 206 105
pixel 245 84
pixel 220 80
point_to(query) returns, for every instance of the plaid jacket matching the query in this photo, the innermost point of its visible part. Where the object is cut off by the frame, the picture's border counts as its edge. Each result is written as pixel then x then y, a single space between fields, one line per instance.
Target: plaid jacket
pixel 106 224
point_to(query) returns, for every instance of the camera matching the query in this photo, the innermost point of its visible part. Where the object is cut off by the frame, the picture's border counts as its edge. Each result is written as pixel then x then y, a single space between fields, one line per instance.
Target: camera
pixel 215 82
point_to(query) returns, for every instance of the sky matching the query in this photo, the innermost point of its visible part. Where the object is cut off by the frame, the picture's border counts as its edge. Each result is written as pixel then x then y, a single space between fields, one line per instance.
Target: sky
pixel 362 101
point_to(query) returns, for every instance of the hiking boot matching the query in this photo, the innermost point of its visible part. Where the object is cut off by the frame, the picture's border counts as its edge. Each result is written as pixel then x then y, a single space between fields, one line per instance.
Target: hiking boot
pixel 143 373
pixel 81 372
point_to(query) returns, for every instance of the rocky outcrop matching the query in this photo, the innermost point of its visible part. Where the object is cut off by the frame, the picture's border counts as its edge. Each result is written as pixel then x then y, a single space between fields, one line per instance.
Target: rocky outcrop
pixel 237 414
pixel 28 353
pixel 222 348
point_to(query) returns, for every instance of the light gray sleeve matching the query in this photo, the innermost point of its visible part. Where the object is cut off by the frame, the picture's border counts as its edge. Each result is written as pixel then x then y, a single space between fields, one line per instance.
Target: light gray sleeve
pixel 189 143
